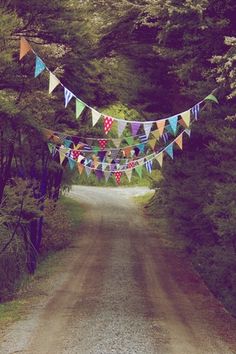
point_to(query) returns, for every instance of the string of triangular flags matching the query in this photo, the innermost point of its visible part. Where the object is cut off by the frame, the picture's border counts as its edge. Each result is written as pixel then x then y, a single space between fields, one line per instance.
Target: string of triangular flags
pixel 104 161
pixel 108 121
pixel 107 170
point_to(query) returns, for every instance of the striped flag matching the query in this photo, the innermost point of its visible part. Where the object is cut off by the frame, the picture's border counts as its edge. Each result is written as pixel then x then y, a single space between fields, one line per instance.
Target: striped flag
pixel 149 166
pixel 68 96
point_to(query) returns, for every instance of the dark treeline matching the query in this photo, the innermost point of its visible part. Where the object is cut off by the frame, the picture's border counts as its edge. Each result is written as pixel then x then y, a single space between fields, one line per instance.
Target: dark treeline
pixel 154 58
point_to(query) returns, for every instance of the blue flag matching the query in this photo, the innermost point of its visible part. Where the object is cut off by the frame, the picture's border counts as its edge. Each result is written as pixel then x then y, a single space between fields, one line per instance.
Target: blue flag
pixel 39 66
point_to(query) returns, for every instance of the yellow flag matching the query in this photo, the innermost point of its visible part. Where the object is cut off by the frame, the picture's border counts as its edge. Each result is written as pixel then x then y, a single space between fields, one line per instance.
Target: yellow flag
pixel 159 158
pixel 24 47
pixel 152 143
pixel 80 168
pixel 186 117
pixel 156 134
pixel 62 154
pixel 179 141
pixel 161 126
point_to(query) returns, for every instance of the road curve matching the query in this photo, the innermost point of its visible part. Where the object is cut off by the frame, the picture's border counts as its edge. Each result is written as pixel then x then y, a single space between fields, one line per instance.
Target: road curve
pixel 122 291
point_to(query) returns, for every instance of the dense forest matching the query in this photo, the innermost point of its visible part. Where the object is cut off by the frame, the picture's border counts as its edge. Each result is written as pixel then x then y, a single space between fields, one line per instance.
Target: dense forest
pixel 145 59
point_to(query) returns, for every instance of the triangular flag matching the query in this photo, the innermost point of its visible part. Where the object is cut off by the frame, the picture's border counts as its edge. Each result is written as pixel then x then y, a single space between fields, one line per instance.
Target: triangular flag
pixel 88 170
pixel 72 163
pixel 169 150
pixel 126 151
pixel 195 111
pixel 159 158
pixel 39 66
pixel 186 117
pixel 62 154
pixel 104 166
pixel 211 97
pixel 179 141
pixel 107 124
pixel 134 128
pixel 156 134
pixel 161 126
pixel 68 96
pixel 152 143
pixel 102 143
pixel 188 132
pixel 107 174
pixel 53 82
pixel 148 165
pixel 80 168
pixel 130 140
pixel 51 147
pixel 118 175
pixel 141 147
pixel 129 174
pixel 139 170
pixel 79 108
pixel 116 142
pixel 99 174
pixel 95 116
pixel 173 123
pixel 147 128
pixel 24 47
pixel 121 126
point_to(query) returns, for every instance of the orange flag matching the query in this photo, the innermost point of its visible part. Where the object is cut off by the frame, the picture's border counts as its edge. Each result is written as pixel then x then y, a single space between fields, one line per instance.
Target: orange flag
pixel 179 141
pixel 80 168
pixel 161 126
pixel 24 47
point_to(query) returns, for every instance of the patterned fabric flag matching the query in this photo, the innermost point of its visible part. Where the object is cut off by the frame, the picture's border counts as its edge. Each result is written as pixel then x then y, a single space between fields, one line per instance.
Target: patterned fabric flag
pixel 148 165
pixel 114 153
pixel 39 66
pixel 102 143
pixel 79 108
pixel 127 151
pixel 134 128
pixel 118 175
pixel 169 150
pixel 188 132
pixel 147 128
pixel 131 164
pixel 159 158
pixel 161 126
pixel 195 111
pixel 75 154
pixel 143 138
pixel 179 141
pixel 173 123
pixel 68 96
pixel 53 82
pixel 24 47
pixel 129 174
pixel 107 124
pixel 165 137
pixel 121 127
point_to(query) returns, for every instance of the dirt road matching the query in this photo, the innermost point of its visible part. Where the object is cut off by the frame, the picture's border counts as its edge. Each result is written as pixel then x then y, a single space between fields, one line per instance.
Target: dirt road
pixel 122 291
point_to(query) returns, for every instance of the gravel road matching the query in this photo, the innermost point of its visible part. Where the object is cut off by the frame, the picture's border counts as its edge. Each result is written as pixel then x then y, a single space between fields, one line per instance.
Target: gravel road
pixel 122 291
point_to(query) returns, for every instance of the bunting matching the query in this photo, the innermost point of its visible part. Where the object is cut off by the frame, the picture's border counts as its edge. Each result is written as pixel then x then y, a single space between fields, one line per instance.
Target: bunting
pixel 107 124
pixel 39 66
pixel 53 82
pixel 79 108
pixel 68 96
pixel 24 47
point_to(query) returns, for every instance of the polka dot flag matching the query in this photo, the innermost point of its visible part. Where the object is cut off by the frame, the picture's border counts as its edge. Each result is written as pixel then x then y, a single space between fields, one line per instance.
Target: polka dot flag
pixel 102 143
pixel 107 124
pixel 118 175
pixel 131 164
pixel 75 154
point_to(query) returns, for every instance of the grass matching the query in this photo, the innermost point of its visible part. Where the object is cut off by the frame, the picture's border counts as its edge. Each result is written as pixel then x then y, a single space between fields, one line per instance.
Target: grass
pixel 30 287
